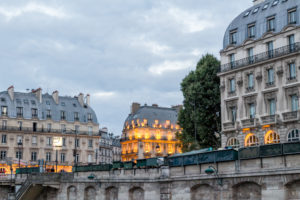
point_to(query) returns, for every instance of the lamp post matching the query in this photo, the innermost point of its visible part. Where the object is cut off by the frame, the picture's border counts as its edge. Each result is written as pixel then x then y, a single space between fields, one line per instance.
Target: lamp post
pixel 212 170
pixel 57 143
pixel 19 156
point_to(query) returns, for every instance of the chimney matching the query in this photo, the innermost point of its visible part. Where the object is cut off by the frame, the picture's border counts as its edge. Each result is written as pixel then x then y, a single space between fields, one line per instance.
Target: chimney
pixel 38 94
pixel 155 105
pixel 135 107
pixel 55 96
pixel 10 91
pixel 177 108
pixel 87 99
pixel 80 99
pixel 255 2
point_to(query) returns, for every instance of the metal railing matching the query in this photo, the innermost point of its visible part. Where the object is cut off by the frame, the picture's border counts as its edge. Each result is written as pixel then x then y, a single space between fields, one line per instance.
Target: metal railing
pixel 41 130
pixel 290 116
pixel 282 51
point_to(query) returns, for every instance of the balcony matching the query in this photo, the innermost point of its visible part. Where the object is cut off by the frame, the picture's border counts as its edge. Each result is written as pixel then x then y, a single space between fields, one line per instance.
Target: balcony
pixel 247 123
pixel 276 53
pixel 39 130
pixel 48 116
pixel 290 116
pixel 229 126
pixel 269 119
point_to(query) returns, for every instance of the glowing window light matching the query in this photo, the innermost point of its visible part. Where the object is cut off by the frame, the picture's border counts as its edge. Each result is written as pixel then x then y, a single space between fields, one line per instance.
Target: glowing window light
pixel 251 140
pixel 147 147
pixel 158 135
pixel 170 148
pixel 272 137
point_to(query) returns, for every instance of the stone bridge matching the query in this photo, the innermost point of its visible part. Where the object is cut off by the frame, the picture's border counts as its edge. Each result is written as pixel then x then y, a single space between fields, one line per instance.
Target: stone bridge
pixel 276 178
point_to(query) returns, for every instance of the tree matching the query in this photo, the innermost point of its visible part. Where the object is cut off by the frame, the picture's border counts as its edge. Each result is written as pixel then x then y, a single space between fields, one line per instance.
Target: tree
pixel 200 116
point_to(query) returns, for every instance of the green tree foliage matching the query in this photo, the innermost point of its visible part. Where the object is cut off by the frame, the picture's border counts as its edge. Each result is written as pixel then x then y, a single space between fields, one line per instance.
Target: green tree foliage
pixel 201 106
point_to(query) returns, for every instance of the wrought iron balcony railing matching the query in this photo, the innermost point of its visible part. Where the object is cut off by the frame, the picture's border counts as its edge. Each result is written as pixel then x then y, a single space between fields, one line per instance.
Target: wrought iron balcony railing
pixel 282 51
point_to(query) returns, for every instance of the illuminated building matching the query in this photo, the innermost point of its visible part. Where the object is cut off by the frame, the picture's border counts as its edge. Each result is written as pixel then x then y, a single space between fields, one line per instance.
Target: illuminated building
pixel 55 129
pixel 260 76
pixel 149 131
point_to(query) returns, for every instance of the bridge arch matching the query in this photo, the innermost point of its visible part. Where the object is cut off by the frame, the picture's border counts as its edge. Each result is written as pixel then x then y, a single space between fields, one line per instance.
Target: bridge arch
pixel 247 191
pixel 136 193
pixel 293 190
pixel 90 193
pixel 111 193
pixel 203 192
pixel 72 192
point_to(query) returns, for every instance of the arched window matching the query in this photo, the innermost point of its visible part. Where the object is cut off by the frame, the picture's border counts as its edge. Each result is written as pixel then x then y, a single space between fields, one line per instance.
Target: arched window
pixel 251 140
pixel 233 142
pixel 293 135
pixel 272 137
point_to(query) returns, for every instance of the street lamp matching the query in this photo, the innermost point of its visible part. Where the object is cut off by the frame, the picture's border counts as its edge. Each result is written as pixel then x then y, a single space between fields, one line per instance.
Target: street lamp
pixel 212 170
pixel 57 143
pixel 19 147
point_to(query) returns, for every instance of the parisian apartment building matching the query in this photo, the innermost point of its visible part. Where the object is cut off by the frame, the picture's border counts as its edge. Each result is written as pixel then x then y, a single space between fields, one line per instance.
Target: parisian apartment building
pixel 150 131
pixel 109 147
pixel 60 130
pixel 260 75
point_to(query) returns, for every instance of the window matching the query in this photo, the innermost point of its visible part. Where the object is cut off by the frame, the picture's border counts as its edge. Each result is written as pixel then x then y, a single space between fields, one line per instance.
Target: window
pixel 63 104
pixel 251 31
pixel 34 140
pixel 272 106
pixel 271 24
pixel 90 144
pixel 233 114
pixel 291 39
pixel 20 125
pixel 19 154
pixel 250 81
pixel 77 158
pixel 233 142
pixel 255 10
pixel 232 85
pixel 270 73
pixel 63 128
pixel 19 111
pixel 252 110
pixel 49 141
pixel 48 115
pixel 270 49
pixel 3 100
pixel 90 117
pixel 77 142
pixel 292 71
pixel 32 102
pixel 232 60
pixel 89 158
pixel 62 115
pixel 233 38
pixel 19 139
pixel 90 130
pixel 294 99
pixel 77 128
pixel 62 157
pixel 49 126
pixel 26 101
pixel 247 13
pixel 251 140
pixel 76 116
pixel 34 112
pixel 33 156
pixel 265 6
pixel 4 110
pixel 250 55
pixel 2 155
pixel 275 3
pixel 3 139
pixel 64 142
pixel 4 125
pixel 293 135
pixel 48 156
pixel 272 137
pixel 292 16
pixel 47 102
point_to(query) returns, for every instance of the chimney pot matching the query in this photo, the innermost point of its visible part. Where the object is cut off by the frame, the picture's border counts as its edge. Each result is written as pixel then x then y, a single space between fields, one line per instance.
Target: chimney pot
pixel 135 107
pixel 11 92
pixel 55 96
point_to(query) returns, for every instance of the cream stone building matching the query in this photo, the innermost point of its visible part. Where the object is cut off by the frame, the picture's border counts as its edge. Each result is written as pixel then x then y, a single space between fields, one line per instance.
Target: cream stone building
pixel 149 131
pixel 36 126
pixel 260 75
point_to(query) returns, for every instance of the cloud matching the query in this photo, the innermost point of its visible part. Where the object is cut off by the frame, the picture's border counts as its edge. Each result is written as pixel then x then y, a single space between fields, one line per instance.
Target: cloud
pixel 167 66
pixel 11 13
pixel 150 45
pixel 102 94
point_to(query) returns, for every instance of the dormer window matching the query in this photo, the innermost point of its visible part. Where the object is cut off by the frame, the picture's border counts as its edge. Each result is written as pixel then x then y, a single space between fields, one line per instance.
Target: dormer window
pixel 233 38
pixel 271 24
pixel 90 117
pixel 63 115
pixel 265 6
pixel 18 101
pixel 76 116
pixel 247 13
pixel 251 31
pixel 47 102
pixel 275 3
pixel 32 102
pixel 292 16
pixel 4 110
pixel 63 104
pixel 255 10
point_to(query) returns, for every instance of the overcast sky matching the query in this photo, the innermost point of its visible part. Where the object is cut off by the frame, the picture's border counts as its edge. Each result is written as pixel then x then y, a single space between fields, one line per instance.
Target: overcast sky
pixel 119 51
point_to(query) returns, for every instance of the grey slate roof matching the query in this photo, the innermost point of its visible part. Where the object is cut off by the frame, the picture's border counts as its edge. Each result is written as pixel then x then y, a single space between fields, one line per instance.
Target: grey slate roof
pixel 29 101
pixel 152 113
pixel 260 18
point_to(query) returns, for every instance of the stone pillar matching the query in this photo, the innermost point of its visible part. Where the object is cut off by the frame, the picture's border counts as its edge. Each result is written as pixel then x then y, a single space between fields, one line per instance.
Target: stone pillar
pixel 165 191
